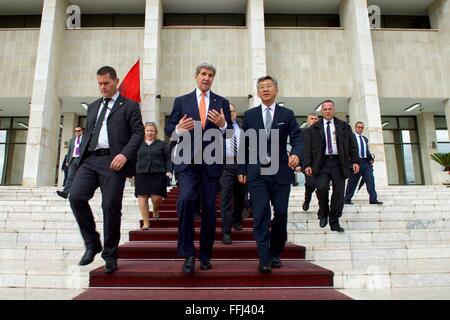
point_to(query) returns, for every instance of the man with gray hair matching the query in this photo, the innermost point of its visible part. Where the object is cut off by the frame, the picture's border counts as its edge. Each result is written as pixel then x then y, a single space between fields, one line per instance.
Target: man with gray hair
pixel 197 181
pixel 310 186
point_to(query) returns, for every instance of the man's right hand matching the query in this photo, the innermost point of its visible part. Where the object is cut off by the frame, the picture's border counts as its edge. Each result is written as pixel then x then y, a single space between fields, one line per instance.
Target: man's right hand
pixel 242 179
pixel 308 171
pixel 185 124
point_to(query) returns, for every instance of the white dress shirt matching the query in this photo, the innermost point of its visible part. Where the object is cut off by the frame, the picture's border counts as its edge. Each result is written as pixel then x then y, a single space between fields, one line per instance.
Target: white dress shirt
pixel 362 156
pixel 75 146
pixel 198 94
pixel 264 112
pixel 103 136
pixel 237 132
pixel 333 136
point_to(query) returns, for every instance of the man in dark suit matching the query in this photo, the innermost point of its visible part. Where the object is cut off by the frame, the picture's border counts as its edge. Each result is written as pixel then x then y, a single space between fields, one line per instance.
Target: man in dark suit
pixel 65 169
pixel 114 133
pixel 274 121
pixel 310 185
pixel 71 158
pixel 331 154
pixel 366 171
pixel 232 192
pixel 197 180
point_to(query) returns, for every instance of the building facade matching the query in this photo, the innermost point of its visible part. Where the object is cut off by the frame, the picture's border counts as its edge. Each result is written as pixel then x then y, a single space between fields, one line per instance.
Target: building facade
pixel 377 59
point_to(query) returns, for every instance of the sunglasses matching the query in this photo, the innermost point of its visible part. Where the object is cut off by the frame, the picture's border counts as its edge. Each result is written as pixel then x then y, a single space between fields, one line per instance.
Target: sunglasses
pixel 77 130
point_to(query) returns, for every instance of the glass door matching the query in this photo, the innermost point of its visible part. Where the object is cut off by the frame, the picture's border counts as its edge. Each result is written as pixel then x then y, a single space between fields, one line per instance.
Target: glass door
pixel 402 148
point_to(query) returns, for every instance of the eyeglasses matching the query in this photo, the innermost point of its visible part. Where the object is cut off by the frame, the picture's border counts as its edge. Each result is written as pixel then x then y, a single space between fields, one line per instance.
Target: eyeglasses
pixel 77 130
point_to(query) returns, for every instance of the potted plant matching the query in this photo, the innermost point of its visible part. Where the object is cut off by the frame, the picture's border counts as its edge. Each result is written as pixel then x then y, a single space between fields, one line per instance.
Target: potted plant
pixel 444 160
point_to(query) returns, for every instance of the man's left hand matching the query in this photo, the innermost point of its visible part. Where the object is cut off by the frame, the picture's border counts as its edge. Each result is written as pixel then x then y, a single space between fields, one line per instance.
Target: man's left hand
pixel 355 168
pixel 118 162
pixel 217 118
pixel 293 161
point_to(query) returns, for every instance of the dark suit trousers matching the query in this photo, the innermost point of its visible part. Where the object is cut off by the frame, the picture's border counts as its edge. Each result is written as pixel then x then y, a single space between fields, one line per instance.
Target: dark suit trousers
pixel 94 172
pixel 366 171
pixel 230 190
pixel 195 183
pixel 270 242
pixel 330 171
pixel 310 187
pixel 71 171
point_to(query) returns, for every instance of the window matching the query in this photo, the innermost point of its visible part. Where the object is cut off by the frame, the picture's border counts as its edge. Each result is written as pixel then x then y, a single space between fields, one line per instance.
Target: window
pixel 302 20
pixel 112 20
pixel 204 19
pixel 443 141
pixel 20 21
pixel 405 22
pixel 13 138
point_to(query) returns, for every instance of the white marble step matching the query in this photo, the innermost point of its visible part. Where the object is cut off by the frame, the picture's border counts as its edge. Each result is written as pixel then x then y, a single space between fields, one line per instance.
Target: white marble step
pixel 390 251
pixel 398 273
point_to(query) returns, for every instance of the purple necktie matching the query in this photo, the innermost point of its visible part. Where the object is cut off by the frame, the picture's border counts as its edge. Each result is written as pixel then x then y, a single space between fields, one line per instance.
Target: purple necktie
pixel 329 145
pixel 77 148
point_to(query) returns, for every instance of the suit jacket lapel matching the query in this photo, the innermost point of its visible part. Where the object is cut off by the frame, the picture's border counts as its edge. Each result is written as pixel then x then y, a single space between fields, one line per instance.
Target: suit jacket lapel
pixel 260 118
pixel 276 115
pixel 117 105
pixel 194 103
pixel 92 116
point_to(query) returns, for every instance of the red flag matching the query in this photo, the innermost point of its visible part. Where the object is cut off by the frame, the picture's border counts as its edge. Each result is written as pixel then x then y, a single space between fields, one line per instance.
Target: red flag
pixel 130 87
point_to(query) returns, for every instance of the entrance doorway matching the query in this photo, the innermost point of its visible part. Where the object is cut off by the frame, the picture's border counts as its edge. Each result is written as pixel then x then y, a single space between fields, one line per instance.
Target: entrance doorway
pixel 402 149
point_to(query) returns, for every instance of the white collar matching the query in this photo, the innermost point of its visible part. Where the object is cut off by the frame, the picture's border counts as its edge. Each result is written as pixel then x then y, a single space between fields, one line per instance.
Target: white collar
pixel 272 106
pixel 198 92
pixel 325 121
pixel 114 97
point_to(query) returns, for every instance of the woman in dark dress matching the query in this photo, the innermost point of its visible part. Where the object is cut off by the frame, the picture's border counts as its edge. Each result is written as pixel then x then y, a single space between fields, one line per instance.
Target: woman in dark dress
pixel 152 169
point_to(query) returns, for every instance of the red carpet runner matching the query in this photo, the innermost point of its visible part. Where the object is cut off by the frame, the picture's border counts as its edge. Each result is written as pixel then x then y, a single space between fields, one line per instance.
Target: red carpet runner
pixel 149 269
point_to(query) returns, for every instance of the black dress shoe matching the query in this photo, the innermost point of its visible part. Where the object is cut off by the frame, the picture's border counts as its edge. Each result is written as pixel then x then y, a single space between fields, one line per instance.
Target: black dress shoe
pixel 276 262
pixel 237 226
pixel 348 202
pixel 226 239
pixel 62 194
pixel 337 228
pixel 305 206
pixel 264 269
pixel 89 255
pixel 323 222
pixel 376 202
pixel 205 265
pixel 110 265
pixel 188 265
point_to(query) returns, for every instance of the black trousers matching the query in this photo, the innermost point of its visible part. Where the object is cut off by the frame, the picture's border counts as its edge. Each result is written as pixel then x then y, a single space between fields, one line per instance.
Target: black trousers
pixel 233 197
pixel 270 241
pixel 330 171
pixel 95 172
pixel 366 171
pixel 71 170
pixel 195 184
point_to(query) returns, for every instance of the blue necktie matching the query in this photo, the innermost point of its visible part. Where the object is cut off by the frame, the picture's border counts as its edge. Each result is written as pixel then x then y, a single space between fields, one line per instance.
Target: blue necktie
pixel 329 144
pixel 363 151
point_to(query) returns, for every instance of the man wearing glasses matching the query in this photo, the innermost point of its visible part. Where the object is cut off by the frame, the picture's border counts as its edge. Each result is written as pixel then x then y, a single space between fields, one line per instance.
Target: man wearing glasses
pixel 72 161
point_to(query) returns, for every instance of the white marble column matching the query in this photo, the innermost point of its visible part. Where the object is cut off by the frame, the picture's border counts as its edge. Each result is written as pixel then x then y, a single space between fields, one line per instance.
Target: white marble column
pixel 342 116
pixel 447 116
pixel 150 62
pixel 364 104
pixel 257 46
pixel 439 13
pixel 428 145
pixel 42 141
pixel 70 121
